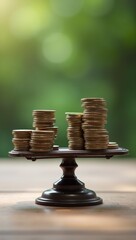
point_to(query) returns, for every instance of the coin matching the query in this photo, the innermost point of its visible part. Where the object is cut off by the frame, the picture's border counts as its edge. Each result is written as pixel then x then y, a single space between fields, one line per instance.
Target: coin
pixel 22 133
pixel 21 139
pixel 55 147
pixel 113 145
pixel 74 130
pixel 94 120
pixel 43 119
pixel 41 140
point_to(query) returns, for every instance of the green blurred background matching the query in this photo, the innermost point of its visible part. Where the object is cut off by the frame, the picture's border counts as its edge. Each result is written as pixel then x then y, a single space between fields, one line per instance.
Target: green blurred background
pixel 54 52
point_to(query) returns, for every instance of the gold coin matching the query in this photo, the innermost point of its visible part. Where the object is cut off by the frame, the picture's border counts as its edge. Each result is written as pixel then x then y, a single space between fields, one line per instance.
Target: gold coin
pixel 22 133
pixel 113 145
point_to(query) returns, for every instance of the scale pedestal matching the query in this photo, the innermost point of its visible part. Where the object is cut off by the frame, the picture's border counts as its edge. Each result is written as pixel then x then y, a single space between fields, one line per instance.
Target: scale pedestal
pixel 69 191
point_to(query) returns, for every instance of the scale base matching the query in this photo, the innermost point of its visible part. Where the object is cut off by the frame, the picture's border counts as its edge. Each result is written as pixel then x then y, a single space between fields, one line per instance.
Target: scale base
pixel 68 191
pixel 53 197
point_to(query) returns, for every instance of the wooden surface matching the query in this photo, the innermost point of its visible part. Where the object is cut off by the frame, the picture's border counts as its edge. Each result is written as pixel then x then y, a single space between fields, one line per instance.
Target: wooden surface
pixel 21 181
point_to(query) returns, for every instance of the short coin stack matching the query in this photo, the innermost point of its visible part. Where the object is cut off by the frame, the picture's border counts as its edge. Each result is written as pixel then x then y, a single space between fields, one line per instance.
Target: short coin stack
pixel 74 131
pixel 21 139
pixel 42 141
pixel 113 145
pixel 94 120
pixel 44 120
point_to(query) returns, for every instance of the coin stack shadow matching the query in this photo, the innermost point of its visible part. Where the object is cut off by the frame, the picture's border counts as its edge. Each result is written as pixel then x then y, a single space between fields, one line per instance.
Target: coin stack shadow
pixel 93 125
pixel 21 139
pixel 74 131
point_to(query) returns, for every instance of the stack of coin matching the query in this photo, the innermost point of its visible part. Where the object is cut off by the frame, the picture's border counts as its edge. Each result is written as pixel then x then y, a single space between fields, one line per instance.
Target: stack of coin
pixel 93 125
pixel 41 141
pixel 74 131
pixel 44 120
pixel 113 145
pixel 21 139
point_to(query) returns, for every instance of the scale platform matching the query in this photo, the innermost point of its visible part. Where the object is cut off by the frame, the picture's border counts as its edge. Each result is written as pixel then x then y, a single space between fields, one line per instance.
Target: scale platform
pixel 69 191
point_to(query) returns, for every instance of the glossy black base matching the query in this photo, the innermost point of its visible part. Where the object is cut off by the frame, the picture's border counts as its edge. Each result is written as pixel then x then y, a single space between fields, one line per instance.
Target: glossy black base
pixel 53 197
pixel 68 191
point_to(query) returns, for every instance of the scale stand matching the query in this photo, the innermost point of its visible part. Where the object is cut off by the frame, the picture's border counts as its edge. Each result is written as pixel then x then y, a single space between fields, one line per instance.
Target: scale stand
pixel 69 191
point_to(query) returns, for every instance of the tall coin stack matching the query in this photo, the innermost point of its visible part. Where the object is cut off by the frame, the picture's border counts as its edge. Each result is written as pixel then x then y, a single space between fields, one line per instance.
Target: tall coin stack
pixel 74 131
pixel 93 125
pixel 45 120
pixel 21 139
pixel 42 141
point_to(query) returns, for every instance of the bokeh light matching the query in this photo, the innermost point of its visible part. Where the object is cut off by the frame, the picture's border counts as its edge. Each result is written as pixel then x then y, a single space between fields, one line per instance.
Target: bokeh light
pixel 30 19
pixel 57 47
pixel 100 7
pixel 66 8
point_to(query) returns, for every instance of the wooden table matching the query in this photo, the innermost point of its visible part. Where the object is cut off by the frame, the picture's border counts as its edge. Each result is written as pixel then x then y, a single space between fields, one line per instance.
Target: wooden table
pixel 21 181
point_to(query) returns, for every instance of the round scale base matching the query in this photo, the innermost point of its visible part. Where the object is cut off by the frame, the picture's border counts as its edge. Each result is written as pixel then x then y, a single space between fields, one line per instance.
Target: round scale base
pixel 53 197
